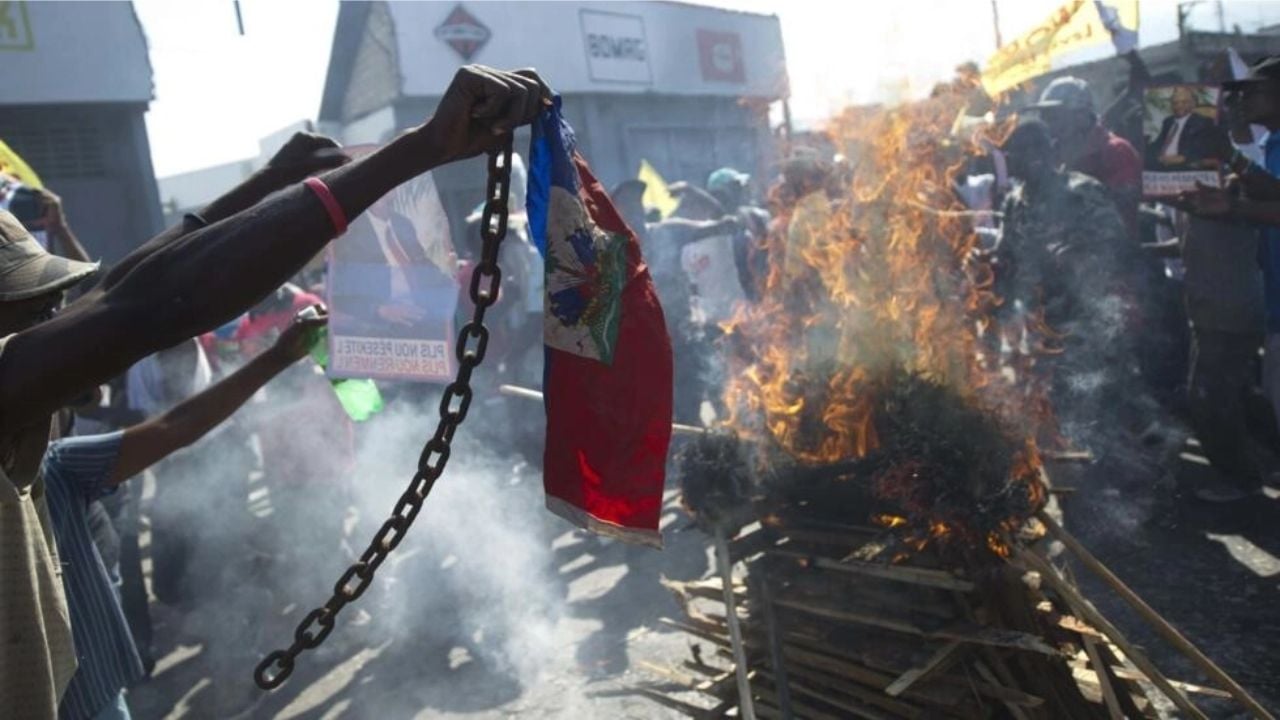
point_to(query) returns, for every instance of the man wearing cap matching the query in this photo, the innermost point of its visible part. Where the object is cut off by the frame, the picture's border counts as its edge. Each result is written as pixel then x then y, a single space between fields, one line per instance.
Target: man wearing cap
pixel 187 280
pixel 729 187
pixel 1056 261
pixel 1085 146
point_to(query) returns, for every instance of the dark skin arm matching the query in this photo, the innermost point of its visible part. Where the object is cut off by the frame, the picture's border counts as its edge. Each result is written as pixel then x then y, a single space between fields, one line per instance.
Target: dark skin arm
pixel 61 240
pixel 180 287
pixel 305 154
pixel 1226 204
pixel 150 442
pixel 705 228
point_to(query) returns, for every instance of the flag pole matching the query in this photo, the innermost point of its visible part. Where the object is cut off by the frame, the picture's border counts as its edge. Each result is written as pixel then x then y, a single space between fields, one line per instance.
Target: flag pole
pixel 995 22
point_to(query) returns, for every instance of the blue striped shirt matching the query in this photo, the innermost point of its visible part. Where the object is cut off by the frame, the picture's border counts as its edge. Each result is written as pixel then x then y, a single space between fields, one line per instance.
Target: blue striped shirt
pixel 75 471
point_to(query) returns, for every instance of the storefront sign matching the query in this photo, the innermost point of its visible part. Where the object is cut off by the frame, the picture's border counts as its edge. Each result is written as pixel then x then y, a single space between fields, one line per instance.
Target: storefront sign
pixel 617 50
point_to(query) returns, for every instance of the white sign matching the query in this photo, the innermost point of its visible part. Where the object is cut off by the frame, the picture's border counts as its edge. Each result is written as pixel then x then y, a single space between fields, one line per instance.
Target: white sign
pixel 617 50
pixel 713 273
pixel 1168 184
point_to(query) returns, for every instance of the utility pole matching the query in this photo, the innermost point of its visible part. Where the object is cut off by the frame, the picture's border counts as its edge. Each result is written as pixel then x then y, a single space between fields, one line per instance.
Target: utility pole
pixel 995 21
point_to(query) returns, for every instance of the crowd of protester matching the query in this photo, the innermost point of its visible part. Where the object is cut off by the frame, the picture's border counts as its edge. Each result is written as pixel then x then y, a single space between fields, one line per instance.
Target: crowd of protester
pixel 128 375
pixel 1180 291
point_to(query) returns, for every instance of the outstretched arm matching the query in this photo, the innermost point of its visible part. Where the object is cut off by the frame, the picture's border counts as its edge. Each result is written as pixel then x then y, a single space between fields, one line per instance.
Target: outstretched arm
pixel 61 240
pixel 305 154
pixel 145 444
pixel 202 279
pixel 700 229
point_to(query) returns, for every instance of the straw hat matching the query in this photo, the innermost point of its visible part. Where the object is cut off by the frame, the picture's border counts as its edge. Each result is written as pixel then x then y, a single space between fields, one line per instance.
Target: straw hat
pixel 28 270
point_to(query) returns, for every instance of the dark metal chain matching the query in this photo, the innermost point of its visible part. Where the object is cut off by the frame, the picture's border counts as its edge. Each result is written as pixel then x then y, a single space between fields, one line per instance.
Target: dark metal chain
pixel 473 341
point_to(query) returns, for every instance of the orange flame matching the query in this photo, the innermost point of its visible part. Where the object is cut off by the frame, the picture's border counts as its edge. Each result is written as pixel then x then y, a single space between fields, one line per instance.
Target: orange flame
pixel 875 272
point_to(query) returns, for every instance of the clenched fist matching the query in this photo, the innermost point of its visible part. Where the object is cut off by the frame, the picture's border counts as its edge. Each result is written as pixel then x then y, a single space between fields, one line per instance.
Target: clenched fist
pixel 482 105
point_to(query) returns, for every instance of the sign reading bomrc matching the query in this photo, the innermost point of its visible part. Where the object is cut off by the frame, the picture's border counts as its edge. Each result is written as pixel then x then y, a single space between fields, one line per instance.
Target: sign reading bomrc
pixel 617 50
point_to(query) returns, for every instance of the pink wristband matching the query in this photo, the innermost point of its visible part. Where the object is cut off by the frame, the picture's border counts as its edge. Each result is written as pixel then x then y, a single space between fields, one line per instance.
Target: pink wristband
pixel 331 206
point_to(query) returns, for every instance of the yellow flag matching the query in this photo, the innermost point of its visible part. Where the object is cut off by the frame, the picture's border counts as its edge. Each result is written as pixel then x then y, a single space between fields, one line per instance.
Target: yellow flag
pixel 1074 25
pixel 656 194
pixel 13 165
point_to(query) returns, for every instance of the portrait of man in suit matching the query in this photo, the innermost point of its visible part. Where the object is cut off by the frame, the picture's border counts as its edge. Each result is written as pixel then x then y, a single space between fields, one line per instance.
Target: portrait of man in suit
pixel 1188 138
pixel 393 276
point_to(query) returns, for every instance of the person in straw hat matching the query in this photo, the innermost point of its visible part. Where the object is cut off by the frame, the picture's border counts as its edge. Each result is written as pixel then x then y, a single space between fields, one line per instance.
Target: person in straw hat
pixel 188 280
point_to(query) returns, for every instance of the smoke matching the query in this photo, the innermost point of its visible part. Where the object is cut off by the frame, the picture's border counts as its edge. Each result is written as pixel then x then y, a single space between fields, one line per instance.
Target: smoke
pixel 262 517
pixel 477 568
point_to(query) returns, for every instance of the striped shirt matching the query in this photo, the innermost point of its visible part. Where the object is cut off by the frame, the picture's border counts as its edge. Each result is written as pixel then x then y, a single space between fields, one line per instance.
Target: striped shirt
pixel 75 472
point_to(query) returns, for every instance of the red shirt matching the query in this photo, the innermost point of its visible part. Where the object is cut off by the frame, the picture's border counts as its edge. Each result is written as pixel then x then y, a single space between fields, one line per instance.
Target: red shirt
pixel 1113 161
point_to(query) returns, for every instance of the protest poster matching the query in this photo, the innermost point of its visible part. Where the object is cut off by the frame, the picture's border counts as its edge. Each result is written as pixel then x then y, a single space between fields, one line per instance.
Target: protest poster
pixel 393 289
pixel 1184 143
pixel 713 273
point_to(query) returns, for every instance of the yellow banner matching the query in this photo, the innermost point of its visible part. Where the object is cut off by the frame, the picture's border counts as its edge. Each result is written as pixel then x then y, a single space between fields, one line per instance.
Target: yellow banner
pixel 13 165
pixel 656 194
pixel 1074 25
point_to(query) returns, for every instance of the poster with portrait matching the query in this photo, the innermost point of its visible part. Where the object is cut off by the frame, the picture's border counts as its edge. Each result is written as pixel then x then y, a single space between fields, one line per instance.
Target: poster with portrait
pixel 1184 143
pixel 393 289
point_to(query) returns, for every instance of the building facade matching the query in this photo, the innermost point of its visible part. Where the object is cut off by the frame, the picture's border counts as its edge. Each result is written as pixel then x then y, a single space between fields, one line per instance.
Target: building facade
pixel 686 87
pixel 77 86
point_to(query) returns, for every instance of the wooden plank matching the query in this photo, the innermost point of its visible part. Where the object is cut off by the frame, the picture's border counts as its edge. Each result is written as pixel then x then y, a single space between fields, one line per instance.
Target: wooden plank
pixel 898 573
pixel 803 709
pixel 910 677
pixel 725 567
pixel 1169 632
pixel 985 673
pixel 973 634
pixel 773 636
pixel 848 671
pixel 1081 606
pixel 1108 692
pixel 856 711
pixel 1128 674
pixel 693 629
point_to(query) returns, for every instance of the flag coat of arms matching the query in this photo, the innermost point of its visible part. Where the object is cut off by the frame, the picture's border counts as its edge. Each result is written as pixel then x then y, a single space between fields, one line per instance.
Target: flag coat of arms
pixel 608 374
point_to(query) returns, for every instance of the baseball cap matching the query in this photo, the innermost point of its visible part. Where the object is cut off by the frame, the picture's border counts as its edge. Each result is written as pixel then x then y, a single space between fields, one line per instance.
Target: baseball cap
pixel 1065 92
pixel 1030 135
pixel 725 178
pixel 1265 70
pixel 27 270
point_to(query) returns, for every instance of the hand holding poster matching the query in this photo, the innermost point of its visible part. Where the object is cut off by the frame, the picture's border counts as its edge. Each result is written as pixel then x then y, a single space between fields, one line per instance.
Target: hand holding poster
pixel 392 289
pixel 1184 144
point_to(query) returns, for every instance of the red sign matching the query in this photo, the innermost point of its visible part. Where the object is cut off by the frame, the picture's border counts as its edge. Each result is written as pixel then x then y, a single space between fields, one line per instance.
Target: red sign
pixel 462 32
pixel 720 55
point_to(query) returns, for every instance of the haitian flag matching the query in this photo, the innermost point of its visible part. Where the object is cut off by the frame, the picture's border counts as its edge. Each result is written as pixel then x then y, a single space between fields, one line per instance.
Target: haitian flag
pixel 608 376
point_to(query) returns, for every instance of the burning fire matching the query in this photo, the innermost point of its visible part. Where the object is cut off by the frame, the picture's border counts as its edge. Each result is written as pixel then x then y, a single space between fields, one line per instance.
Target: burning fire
pixel 872 270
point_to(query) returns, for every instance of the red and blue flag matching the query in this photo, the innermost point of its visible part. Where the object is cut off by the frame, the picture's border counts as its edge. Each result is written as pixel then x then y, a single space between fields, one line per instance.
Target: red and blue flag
pixel 608 376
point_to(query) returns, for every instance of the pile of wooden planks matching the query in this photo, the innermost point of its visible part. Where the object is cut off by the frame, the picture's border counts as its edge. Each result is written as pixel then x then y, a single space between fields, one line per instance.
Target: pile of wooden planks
pixel 829 630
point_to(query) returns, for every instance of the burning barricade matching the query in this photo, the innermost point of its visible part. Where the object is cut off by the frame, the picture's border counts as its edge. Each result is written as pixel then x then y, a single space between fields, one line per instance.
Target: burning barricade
pixel 880 471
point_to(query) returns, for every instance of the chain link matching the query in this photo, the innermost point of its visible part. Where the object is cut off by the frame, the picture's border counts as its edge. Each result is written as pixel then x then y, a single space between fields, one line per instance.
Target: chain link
pixel 473 342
